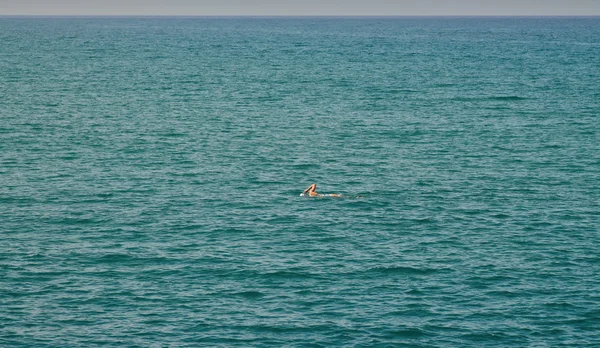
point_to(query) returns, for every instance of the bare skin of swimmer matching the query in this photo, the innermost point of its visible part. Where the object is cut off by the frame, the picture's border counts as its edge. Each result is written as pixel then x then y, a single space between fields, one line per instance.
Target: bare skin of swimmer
pixel 311 190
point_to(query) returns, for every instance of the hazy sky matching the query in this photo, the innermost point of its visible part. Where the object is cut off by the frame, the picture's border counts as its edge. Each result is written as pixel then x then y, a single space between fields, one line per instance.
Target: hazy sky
pixel 301 7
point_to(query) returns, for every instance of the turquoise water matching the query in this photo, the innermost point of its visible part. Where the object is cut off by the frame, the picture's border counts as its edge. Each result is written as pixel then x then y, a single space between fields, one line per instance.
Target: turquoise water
pixel 151 168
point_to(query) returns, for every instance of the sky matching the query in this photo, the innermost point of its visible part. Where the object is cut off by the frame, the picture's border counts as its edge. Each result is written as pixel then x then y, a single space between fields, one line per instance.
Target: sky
pixel 303 7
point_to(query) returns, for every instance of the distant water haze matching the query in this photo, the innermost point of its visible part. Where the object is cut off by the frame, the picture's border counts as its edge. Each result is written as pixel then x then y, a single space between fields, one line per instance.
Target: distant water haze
pixel 303 8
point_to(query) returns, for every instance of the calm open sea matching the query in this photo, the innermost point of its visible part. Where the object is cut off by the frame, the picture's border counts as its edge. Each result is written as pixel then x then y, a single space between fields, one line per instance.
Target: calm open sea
pixel 150 172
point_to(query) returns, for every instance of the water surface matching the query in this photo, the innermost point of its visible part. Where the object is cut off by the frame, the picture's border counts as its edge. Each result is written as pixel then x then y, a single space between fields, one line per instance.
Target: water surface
pixel 150 174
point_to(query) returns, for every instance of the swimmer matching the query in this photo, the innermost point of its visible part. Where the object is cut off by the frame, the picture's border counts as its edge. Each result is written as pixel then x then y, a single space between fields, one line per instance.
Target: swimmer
pixel 311 190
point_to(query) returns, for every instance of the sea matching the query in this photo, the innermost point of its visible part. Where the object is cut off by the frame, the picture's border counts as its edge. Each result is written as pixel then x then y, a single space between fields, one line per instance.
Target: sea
pixel 151 171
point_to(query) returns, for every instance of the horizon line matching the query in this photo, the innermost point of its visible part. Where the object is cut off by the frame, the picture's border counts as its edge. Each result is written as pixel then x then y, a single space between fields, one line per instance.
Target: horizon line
pixel 296 16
